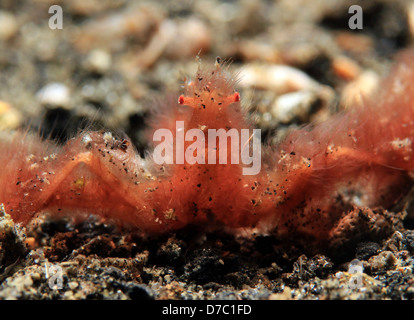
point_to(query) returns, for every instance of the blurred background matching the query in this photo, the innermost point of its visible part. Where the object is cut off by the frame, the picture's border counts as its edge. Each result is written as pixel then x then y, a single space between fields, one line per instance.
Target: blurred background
pixel 298 60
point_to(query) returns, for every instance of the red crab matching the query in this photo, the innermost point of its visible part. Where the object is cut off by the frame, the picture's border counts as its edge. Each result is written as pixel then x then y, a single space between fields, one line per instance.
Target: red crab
pixel 306 185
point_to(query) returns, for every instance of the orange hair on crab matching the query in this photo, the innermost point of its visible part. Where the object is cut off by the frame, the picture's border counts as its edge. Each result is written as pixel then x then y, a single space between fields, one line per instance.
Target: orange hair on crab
pixel 365 156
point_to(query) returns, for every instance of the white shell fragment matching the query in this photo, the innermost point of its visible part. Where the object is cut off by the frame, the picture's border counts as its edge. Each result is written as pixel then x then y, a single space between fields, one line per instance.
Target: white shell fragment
pixel 290 105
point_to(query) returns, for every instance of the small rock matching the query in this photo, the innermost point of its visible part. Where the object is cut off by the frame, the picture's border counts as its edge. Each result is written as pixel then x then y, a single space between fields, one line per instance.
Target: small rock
pixel 8 25
pixel 277 78
pixel 36 276
pixel 54 94
pixel 408 240
pixel 10 118
pixel 285 295
pixel 293 105
pixel 98 61
pixel 73 285
pixel 383 261
pixel 139 292
pixel 345 68
pixel 68 295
